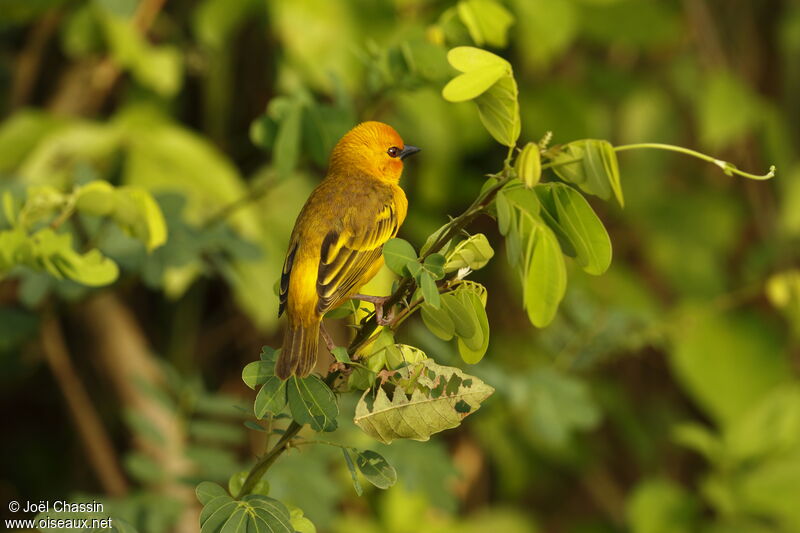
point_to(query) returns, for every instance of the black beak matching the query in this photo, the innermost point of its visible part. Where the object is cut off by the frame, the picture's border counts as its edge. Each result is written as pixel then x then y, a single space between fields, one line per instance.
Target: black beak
pixel 408 150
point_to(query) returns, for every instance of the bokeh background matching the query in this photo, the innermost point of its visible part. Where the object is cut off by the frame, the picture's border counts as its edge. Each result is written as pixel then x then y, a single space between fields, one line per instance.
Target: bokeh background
pixel 664 397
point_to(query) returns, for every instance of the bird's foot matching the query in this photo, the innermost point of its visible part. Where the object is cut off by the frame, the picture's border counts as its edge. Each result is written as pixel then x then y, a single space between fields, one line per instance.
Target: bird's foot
pixel 383 319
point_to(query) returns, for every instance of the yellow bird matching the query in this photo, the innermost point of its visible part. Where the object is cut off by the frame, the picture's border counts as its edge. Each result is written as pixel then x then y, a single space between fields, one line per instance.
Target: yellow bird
pixel 336 245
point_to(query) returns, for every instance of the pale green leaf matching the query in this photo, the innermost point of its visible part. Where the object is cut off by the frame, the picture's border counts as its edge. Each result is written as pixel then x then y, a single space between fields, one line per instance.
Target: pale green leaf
pixel 486 20
pixel 438 399
pixel 545 279
pixel 473 252
pixel 472 84
pixel 469 58
pixel 498 110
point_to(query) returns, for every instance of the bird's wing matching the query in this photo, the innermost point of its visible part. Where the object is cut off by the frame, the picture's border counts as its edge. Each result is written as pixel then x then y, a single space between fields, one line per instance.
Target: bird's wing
pixel 348 255
pixel 287 270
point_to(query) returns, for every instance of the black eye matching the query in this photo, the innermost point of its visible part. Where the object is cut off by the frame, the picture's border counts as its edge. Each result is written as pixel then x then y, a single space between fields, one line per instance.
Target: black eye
pixel 394 151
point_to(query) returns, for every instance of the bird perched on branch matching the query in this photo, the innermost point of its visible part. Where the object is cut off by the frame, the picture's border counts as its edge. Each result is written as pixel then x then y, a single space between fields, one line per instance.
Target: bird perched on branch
pixel 336 244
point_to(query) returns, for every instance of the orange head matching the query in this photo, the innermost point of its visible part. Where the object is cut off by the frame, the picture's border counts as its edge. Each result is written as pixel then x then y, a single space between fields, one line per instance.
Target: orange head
pixel 371 148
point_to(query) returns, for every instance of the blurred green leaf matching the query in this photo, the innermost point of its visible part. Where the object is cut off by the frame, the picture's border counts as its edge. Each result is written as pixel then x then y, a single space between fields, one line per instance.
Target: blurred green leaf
pixel 727 109
pixel 557 405
pixel 487 21
pixel 659 506
pixel 727 362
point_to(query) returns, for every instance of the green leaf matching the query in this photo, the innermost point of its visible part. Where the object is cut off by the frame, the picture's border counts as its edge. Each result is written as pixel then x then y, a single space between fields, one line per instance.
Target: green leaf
pixel 577 226
pixel 529 165
pixel 300 523
pixel 558 404
pixel 498 107
pixel 341 355
pixel 473 253
pixel 546 278
pixel 591 165
pixel 53 252
pixel 438 399
pixel 486 20
pixel 286 151
pixel 269 354
pixel 375 469
pixel 156 67
pixel 727 362
pixel 470 85
pixel 438 321
pixel 498 110
pixel 460 314
pixel 503 213
pixel 398 253
pixel 236 482
pixel 136 212
pixel 95 198
pixel 472 349
pixel 257 373
pixel 262 131
pixel 312 402
pixel 348 308
pixel 207 491
pixel 660 506
pixel 254 512
pixel 434 264
pixel 400 355
pixel 352 468
pixel 429 290
pixel 271 398
pixel 469 58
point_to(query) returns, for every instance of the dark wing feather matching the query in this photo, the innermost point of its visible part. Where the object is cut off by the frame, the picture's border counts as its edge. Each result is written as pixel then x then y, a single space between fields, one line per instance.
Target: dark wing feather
pixel 285 275
pixel 346 256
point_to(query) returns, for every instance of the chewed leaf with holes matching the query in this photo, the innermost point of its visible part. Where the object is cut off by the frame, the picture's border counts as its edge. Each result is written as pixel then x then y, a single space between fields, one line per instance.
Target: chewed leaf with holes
pixel 426 398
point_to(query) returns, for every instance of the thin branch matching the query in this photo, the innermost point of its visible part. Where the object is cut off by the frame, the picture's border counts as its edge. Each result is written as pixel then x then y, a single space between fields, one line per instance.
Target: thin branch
pixel 99 450
pixel 728 168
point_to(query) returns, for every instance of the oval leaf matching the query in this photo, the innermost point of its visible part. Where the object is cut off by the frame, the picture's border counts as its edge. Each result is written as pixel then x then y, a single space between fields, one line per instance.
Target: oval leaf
pixel 438 399
pixel 398 253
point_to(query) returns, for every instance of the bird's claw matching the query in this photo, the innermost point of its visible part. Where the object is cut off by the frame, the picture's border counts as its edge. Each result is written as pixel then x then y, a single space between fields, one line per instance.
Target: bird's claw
pixel 383 319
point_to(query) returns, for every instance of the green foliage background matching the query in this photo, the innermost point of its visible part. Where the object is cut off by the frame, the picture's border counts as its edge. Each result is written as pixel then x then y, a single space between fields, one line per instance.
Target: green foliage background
pixel 664 396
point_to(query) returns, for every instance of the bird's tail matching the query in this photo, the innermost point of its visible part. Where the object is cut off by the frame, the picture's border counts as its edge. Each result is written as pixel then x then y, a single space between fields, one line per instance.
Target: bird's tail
pixel 299 352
